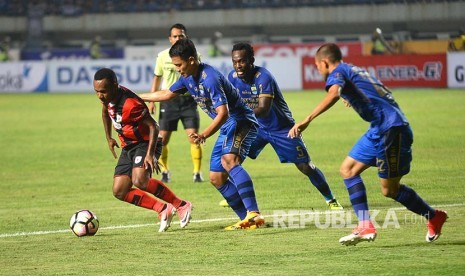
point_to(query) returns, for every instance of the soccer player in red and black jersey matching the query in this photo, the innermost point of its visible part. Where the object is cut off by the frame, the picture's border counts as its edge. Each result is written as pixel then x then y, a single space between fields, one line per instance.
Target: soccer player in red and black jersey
pixel 141 148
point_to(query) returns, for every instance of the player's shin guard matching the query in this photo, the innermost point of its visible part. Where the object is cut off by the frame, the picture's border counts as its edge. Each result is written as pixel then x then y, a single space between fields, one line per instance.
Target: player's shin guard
pixel 410 199
pixel 144 200
pixel 229 192
pixel 244 186
pixel 358 197
pixel 196 154
pixel 160 190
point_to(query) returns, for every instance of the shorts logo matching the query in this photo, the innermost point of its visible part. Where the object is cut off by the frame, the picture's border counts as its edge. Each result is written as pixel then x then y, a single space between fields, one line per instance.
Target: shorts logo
pixel 138 159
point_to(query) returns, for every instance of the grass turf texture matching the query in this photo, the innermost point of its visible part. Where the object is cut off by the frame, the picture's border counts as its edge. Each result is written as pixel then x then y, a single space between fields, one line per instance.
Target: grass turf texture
pixel 55 161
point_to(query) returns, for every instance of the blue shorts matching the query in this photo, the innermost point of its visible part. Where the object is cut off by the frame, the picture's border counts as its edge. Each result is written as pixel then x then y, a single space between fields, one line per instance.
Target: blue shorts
pixel 390 152
pixel 288 150
pixel 235 137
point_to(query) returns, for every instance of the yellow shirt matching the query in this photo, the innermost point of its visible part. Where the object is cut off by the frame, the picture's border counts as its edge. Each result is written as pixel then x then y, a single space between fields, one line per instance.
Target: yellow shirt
pixel 164 68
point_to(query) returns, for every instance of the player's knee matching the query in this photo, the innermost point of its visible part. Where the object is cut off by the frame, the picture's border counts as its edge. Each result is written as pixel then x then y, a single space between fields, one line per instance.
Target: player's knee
pixel 140 183
pixel 217 179
pixel 119 194
pixel 229 162
pixel 306 168
pixel 390 192
pixel 346 172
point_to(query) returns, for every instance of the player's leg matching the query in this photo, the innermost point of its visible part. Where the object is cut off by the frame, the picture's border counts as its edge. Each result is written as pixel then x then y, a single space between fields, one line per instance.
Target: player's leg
pixel 393 163
pixel 196 156
pixel 240 136
pixel 168 121
pixel 191 121
pixel 222 182
pixel 165 170
pixel 141 178
pixel 361 157
pixel 122 184
pixel 257 146
pixel 294 151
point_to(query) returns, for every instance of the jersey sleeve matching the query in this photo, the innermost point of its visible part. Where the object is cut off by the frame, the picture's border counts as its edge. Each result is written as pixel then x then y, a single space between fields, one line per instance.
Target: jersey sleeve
pixel 178 87
pixel 335 78
pixel 264 83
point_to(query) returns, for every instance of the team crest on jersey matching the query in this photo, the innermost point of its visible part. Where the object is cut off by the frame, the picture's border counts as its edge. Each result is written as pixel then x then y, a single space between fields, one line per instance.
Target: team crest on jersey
pixel 204 75
pixel 254 89
pixel 201 90
pixel 138 159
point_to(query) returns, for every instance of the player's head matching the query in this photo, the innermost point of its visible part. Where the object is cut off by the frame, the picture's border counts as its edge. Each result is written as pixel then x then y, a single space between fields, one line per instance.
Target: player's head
pixel 327 57
pixel 105 85
pixel 177 31
pixel 184 57
pixel 243 58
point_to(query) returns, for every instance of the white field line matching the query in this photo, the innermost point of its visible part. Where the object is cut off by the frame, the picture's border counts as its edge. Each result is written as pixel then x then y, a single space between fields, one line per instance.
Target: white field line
pixel 35 233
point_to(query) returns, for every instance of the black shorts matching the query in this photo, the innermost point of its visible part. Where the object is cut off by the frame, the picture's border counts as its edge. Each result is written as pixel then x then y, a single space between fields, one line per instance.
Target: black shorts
pixel 182 108
pixel 133 156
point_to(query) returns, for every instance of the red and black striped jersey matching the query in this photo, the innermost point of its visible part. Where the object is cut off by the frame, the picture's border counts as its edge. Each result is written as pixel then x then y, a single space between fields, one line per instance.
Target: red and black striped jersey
pixel 127 114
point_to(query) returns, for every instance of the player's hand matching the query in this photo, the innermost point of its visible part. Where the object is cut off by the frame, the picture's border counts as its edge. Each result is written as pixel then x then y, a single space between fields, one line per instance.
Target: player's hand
pixel 112 144
pixel 152 108
pixel 198 138
pixel 297 129
pixel 156 166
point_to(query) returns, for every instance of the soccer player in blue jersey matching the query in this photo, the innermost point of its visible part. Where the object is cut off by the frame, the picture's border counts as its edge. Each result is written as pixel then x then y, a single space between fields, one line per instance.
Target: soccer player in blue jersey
pixel 260 91
pixel 386 144
pixel 234 120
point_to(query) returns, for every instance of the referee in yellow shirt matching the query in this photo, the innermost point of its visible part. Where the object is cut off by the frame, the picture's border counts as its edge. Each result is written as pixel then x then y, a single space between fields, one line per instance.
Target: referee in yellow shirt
pixel 182 108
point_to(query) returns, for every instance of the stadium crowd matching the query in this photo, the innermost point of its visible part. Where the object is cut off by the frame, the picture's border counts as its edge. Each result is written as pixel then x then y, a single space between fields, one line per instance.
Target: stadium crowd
pixel 79 7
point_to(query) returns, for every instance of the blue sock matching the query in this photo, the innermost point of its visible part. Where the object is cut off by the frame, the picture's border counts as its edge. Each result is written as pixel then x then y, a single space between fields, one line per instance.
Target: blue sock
pixel 318 180
pixel 358 197
pixel 244 186
pixel 229 192
pixel 410 199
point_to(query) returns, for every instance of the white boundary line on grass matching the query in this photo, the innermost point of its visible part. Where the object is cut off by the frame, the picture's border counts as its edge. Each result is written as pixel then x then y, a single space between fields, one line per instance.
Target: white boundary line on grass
pixel 35 233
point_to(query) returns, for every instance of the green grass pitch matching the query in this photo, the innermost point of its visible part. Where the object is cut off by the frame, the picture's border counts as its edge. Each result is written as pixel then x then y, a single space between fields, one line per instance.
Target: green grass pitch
pixel 55 161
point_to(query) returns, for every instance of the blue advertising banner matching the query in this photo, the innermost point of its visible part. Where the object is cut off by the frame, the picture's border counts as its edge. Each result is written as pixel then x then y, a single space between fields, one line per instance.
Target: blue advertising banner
pixel 69 54
pixel 19 77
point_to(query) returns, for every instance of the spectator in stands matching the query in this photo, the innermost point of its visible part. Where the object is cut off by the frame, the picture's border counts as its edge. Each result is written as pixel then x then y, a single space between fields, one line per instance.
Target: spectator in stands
pixel 380 45
pixel 214 49
pixel 5 49
pixel 458 43
pixel 95 49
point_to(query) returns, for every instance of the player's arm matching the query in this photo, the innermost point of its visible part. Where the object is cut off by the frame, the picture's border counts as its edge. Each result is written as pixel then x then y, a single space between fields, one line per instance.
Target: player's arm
pixel 155 86
pixel 221 118
pixel 264 105
pixel 331 98
pixel 158 96
pixel 150 162
pixel 107 127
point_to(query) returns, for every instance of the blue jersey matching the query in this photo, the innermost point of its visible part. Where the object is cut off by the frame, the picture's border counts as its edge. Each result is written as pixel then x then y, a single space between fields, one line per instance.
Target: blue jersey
pixel 211 89
pixel 368 96
pixel 264 84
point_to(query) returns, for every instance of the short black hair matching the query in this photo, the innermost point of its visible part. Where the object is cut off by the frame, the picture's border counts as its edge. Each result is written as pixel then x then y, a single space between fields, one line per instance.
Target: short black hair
pixel 106 73
pixel 178 26
pixel 183 48
pixel 249 53
pixel 330 51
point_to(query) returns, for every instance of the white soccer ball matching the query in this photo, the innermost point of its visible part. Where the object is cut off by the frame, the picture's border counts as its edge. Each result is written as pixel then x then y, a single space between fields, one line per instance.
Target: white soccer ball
pixel 84 223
